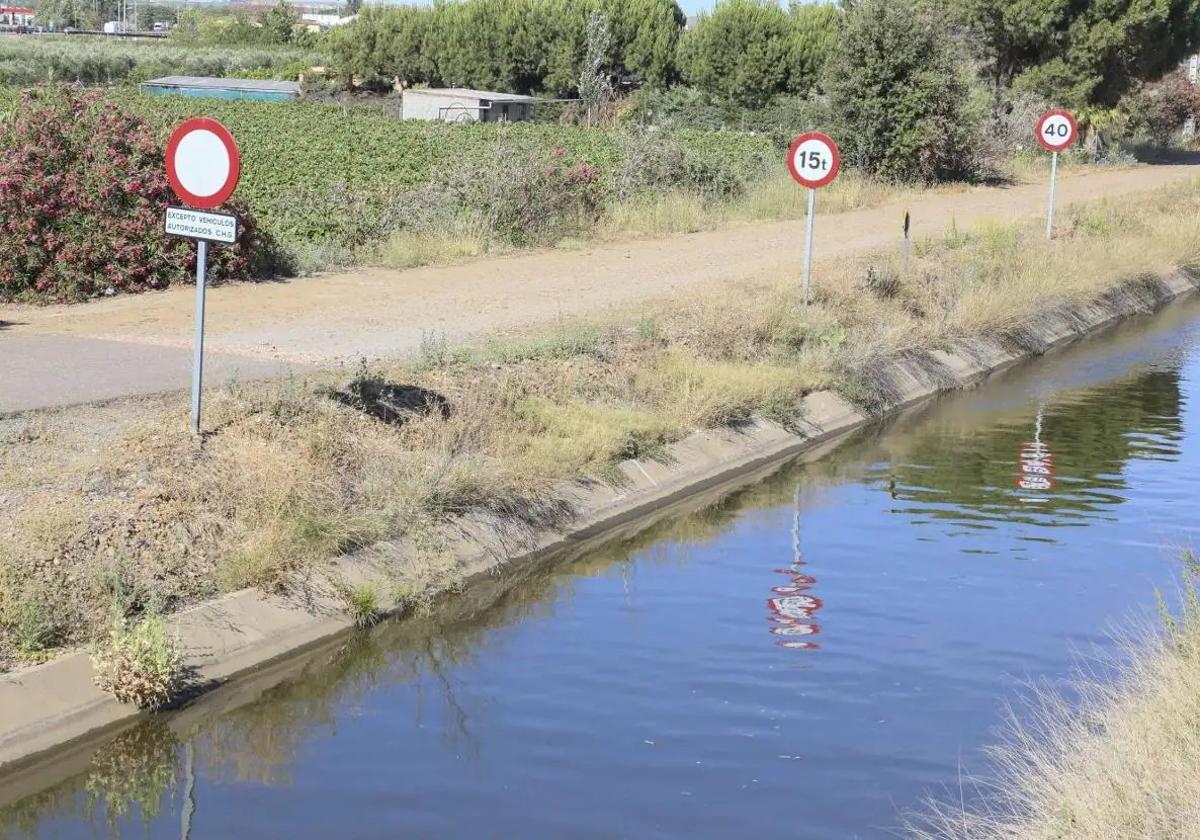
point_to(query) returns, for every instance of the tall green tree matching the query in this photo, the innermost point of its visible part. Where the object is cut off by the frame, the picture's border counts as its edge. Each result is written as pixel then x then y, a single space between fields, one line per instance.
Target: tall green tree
pixel 899 94
pixel 814 35
pixel 520 46
pixel 1079 52
pixel 739 51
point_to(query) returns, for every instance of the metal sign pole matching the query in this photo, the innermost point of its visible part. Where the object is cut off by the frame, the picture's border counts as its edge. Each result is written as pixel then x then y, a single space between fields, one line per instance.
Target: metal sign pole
pixel 808 242
pixel 198 366
pixel 1053 177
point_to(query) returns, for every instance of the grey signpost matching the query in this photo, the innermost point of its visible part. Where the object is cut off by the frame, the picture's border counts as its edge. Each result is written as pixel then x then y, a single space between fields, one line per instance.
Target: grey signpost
pixel 203 166
pixel 198 362
pixel 814 161
pixel 1056 132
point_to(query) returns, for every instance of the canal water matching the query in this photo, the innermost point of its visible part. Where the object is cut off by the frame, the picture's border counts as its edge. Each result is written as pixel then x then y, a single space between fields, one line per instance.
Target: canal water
pixel 808 657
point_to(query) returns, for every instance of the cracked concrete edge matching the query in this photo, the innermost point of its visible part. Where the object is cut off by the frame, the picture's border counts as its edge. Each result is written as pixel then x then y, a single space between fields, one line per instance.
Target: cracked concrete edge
pixel 46 708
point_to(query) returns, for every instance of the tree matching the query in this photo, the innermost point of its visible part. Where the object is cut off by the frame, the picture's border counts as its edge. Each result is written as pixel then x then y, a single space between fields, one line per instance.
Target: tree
pixel 1079 52
pixel 595 81
pixel 814 35
pixel 899 95
pixel 645 37
pixel 84 14
pixel 518 46
pixel 279 23
pixel 740 51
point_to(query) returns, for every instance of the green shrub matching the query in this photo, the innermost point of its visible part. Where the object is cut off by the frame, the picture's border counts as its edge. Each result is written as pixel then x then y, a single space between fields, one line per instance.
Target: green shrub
pixel 899 95
pixel 139 663
pixel 781 119
pixel 1160 111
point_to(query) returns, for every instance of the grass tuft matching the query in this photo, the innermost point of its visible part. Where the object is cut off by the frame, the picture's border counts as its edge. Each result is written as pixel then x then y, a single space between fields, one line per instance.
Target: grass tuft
pixel 362 602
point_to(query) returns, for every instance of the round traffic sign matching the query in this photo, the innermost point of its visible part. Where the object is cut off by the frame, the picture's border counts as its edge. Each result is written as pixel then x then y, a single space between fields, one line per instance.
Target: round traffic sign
pixel 814 159
pixel 1056 130
pixel 203 163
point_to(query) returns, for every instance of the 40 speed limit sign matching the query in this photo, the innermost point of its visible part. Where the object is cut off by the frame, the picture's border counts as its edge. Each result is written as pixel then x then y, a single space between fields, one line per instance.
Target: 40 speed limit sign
pixel 814 161
pixel 1056 131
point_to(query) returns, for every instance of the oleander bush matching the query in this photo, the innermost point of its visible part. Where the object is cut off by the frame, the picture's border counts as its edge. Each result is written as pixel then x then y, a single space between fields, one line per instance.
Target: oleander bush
pixel 83 190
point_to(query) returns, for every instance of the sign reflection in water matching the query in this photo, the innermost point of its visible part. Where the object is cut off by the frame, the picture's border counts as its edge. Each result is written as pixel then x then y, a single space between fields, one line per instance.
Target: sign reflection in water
pixel 792 608
pixel 1035 466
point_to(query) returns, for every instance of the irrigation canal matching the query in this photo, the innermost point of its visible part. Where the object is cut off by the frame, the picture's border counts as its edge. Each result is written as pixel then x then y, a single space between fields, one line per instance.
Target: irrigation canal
pixel 808 657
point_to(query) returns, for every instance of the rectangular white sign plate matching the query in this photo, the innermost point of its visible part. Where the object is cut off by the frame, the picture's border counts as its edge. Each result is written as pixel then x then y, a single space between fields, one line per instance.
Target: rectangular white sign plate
pixel 214 227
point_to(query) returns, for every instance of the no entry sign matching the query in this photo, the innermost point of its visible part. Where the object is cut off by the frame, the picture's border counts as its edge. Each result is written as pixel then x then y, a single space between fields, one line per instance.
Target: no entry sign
pixel 814 160
pixel 1057 130
pixel 203 163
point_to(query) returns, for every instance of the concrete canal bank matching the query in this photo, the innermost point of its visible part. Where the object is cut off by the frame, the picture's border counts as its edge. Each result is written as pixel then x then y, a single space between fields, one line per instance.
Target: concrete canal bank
pixel 44 708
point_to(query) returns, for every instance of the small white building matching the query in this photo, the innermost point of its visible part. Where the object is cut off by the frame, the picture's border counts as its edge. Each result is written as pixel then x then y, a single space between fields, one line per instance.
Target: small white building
pixel 465 105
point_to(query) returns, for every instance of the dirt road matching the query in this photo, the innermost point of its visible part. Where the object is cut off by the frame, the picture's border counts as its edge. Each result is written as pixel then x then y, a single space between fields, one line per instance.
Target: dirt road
pixel 139 344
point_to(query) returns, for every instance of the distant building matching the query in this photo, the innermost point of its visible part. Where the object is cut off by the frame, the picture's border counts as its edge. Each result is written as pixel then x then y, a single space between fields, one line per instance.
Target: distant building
pixel 465 105
pixel 213 88
pixel 321 22
pixel 16 16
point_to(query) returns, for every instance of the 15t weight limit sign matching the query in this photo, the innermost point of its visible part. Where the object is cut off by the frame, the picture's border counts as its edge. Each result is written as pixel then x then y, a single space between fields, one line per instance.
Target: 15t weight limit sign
pixel 814 161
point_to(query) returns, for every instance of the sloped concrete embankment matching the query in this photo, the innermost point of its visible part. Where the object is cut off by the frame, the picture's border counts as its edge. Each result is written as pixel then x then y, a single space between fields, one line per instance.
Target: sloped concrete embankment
pixel 45 708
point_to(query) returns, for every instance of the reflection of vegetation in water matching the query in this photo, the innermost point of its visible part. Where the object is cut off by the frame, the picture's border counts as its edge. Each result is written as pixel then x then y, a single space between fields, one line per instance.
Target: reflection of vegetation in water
pixel 131 774
pixel 969 476
pixel 258 741
pixel 135 770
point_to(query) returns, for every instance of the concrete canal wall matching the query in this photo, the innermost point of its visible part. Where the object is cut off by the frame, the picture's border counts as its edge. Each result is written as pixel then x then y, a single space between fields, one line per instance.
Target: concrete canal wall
pixel 45 708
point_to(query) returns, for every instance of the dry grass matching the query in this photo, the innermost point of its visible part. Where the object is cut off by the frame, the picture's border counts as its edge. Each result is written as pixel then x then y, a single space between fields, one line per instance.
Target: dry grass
pixel 655 215
pixel 290 477
pixel 411 249
pixel 772 199
pixel 1123 762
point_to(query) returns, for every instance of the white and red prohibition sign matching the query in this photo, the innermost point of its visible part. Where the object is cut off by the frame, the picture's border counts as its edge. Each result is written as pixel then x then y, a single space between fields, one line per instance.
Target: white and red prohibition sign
pixel 814 160
pixel 203 166
pixel 203 163
pixel 1057 130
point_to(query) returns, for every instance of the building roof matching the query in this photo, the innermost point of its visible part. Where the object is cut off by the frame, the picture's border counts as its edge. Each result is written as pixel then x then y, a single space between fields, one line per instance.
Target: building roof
pixel 212 83
pixel 15 10
pixel 468 93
